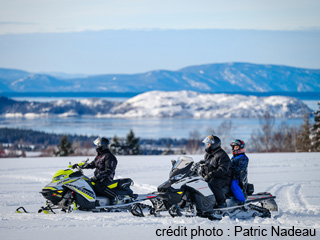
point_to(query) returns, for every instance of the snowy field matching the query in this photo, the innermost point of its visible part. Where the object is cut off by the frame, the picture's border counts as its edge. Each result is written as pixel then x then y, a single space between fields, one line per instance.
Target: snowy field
pixel 293 177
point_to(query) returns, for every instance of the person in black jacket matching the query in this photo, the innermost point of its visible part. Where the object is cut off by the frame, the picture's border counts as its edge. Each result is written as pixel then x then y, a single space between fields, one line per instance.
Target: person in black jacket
pixel 105 164
pixel 216 169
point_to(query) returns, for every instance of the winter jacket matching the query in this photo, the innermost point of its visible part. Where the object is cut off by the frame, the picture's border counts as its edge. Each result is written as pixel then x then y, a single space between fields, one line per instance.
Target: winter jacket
pixel 239 166
pixel 105 164
pixel 217 165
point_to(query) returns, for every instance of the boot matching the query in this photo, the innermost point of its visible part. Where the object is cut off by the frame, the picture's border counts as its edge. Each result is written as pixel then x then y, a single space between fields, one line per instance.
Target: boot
pixel 114 201
pixel 220 205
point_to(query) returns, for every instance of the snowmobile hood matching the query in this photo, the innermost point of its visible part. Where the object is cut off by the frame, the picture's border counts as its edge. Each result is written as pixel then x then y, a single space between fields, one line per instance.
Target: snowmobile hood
pixel 61 174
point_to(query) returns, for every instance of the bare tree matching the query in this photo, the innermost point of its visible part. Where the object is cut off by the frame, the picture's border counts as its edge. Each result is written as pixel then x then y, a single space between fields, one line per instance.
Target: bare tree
pixel 255 142
pixel 279 138
pixel 224 132
pixel 267 124
pixel 194 142
pixel 261 139
pixel 283 139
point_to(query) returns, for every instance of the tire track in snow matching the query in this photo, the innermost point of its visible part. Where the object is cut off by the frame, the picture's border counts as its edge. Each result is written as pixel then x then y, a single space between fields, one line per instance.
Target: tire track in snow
pixel 270 189
pixel 292 205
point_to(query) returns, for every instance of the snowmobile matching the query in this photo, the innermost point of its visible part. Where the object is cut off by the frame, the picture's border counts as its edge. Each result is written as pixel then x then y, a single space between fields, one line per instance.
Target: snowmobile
pixel 186 193
pixel 70 190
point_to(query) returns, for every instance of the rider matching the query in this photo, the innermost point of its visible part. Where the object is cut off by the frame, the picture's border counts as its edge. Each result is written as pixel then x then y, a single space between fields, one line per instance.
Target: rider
pixel 216 169
pixel 105 164
pixel 239 166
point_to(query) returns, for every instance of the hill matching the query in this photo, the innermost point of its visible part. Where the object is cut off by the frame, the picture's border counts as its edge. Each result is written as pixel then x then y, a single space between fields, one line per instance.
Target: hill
pixel 160 104
pixel 224 77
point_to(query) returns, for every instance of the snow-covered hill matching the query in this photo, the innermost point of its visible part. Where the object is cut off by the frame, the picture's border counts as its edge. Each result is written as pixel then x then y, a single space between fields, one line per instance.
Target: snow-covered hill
pixel 160 104
pixel 201 105
pixel 292 177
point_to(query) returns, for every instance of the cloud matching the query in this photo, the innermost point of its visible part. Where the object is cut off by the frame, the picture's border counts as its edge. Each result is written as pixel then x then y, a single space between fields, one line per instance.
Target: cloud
pixel 76 15
pixel 16 23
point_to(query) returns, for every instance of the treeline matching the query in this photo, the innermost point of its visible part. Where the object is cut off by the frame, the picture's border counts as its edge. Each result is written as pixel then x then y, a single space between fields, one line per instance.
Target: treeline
pixel 268 138
pixel 15 142
pixel 36 140
pixel 285 138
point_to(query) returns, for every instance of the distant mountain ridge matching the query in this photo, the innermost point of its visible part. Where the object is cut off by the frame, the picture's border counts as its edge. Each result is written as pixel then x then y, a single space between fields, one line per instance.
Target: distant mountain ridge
pixel 224 77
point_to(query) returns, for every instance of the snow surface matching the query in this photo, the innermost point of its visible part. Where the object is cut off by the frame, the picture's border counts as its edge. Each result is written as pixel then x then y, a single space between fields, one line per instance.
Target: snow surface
pixel 293 177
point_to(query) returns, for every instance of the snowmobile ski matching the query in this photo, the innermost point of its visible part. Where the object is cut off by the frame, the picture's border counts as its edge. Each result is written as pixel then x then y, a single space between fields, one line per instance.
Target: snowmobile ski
pixel 125 205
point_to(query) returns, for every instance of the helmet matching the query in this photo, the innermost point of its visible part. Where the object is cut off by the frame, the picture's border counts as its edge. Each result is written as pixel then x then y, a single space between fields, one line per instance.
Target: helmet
pixel 214 141
pixel 241 144
pixel 101 144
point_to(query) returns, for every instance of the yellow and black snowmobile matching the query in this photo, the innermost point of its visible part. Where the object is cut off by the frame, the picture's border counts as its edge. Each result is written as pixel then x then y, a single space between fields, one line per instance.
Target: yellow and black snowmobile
pixel 71 189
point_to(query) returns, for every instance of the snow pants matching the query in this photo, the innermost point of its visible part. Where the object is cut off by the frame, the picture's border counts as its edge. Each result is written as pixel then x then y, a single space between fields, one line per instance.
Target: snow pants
pixel 217 185
pixel 101 189
pixel 237 191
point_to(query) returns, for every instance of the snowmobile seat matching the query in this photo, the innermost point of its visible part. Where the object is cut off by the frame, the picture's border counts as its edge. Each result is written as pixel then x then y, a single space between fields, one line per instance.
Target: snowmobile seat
pixel 122 183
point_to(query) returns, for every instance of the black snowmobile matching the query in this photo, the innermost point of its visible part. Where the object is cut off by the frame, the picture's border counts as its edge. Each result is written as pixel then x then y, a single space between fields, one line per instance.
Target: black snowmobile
pixel 187 194
pixel 70 190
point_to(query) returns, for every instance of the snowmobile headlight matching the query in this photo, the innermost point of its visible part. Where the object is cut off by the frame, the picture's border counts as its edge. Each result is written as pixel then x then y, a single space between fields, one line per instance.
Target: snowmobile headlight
pixel 177 177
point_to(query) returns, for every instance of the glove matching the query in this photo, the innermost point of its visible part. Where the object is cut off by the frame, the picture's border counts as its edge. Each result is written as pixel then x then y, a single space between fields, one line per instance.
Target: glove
pixel 207 178
pixel 202 162
pixel 74 166
pixel 204 170
pixel 94 179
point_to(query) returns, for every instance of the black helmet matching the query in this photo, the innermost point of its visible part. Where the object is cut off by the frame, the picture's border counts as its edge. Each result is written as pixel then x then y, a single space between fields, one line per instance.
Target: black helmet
pixel 101 144
pixel 241 144
pixel 214 141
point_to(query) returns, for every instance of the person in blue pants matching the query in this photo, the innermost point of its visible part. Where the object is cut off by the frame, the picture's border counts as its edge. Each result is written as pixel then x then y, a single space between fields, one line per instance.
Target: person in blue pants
pixel 239 169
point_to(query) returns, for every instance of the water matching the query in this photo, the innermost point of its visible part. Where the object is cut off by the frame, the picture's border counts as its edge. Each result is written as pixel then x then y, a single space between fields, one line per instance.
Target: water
pixel 51 99
pixel 145 128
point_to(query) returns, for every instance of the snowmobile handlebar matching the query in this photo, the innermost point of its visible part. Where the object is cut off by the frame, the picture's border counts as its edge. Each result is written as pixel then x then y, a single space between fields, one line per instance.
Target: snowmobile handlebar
pixel 79 166
pixel 197 167
pixel 194 168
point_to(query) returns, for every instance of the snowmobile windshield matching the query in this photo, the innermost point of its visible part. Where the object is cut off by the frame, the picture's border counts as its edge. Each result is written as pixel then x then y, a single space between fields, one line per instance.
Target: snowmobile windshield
pixel 61 174
pixel 181 167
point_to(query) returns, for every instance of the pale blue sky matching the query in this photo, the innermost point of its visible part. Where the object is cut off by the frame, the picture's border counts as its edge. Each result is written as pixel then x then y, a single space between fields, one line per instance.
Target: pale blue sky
pixel 25 16
pixel 133 36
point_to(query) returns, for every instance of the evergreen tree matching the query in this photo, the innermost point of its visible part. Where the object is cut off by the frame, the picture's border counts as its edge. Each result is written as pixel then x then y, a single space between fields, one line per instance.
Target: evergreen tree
pixel 315 137
pixel 304 135
pixel 65 147
pixel 132 144
pixel 116 145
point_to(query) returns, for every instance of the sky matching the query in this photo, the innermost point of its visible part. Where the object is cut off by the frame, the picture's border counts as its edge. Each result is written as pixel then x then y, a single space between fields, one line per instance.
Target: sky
pixel 93 36
pixel 20 16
